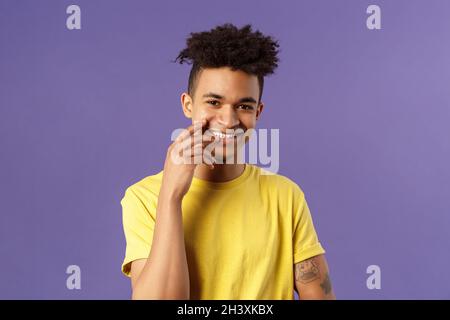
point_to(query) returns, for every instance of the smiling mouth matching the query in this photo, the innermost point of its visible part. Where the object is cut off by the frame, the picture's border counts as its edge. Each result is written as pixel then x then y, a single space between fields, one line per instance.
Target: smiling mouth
pixel 226 137
pixel 222 135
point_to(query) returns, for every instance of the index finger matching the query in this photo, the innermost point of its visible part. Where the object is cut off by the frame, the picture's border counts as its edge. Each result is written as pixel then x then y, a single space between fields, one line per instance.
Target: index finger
pixel 196 126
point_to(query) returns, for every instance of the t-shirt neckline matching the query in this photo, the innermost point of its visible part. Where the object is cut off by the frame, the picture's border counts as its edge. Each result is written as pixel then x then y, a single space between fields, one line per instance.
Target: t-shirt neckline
pixel 224 185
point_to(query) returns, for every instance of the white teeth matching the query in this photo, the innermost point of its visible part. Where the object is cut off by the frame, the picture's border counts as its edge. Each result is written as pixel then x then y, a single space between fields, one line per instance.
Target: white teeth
pixel 223 135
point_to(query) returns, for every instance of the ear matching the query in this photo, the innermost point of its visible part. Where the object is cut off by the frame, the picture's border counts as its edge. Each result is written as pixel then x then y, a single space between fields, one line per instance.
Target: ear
pixel 259 109
pixel 186 104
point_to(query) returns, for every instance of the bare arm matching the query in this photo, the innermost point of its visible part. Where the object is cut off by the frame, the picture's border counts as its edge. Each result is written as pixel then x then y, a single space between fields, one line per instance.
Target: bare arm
pixel 312 279
pixel 164 274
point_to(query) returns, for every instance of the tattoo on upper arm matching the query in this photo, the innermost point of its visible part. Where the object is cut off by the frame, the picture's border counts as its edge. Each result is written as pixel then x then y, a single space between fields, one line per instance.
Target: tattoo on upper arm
pixel 307 270
pixel 326 284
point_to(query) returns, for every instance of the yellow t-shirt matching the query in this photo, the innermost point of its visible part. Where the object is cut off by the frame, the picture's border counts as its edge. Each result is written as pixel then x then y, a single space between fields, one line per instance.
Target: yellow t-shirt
pixel 242 237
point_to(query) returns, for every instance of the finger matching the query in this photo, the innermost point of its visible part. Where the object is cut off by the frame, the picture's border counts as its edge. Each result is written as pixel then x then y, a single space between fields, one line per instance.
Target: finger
pixel 185 135
pixel 191 143
pixel 194 150
pixel 190 130
pixel 190 140
pixel 197 149
pixel 203 148
pixel 198 127
pixel 198 124
pixel 205 123
pixel 197 155
pixel 208 160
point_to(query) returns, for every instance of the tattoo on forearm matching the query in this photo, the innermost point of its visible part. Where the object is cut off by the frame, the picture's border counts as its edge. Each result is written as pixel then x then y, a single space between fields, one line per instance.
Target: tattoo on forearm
pixel 307 271
pixel 326 284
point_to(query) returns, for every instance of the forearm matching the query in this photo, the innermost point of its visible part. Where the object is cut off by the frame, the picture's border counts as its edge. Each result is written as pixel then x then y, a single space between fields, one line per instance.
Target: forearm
pixel 165 274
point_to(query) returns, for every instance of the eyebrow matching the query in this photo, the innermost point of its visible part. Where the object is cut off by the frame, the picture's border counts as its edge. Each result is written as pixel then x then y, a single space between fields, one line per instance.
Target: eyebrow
pixel 219 97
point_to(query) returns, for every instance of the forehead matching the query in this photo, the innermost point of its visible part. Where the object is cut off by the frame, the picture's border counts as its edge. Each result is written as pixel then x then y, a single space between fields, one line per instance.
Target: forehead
pixel 232 84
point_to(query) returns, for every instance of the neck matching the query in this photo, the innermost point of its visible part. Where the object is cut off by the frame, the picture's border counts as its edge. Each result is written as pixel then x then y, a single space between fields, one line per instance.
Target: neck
pixel 220 173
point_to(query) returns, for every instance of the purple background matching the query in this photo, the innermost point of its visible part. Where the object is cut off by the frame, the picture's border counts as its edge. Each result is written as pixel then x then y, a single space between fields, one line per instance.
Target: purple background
pixel 363 117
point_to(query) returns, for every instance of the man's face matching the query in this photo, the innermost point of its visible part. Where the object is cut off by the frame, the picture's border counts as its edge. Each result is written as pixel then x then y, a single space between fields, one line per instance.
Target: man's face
pixel 228 100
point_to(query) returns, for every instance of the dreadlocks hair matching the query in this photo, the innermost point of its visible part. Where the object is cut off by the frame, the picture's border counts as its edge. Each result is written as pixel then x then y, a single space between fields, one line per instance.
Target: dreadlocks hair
pixel 226 45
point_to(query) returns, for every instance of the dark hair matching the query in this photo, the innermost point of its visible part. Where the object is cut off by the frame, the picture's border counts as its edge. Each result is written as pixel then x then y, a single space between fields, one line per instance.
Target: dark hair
pixel 226 45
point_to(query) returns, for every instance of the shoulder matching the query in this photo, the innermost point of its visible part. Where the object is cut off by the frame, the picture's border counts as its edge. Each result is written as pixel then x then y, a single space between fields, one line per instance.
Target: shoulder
pixel 281 183
pixel 145 188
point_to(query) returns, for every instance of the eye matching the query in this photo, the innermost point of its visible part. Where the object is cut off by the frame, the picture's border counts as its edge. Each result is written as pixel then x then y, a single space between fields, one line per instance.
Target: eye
pixel 245 107
pixel 213 102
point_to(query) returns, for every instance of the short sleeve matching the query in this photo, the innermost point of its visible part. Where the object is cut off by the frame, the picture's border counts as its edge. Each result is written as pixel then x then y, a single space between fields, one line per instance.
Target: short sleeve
pixel 305 241
pixel 138 225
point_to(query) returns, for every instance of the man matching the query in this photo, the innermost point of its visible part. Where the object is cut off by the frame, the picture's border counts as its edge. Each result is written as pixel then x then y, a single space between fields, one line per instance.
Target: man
pixel 215 229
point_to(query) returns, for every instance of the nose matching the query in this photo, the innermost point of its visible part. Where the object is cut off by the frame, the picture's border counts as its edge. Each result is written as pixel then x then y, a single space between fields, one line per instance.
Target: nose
pixel 228 117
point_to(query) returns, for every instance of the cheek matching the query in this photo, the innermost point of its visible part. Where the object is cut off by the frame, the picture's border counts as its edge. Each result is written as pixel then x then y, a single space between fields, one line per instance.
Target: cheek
pixel 201 112
pixel 205 113
pixel 249 121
